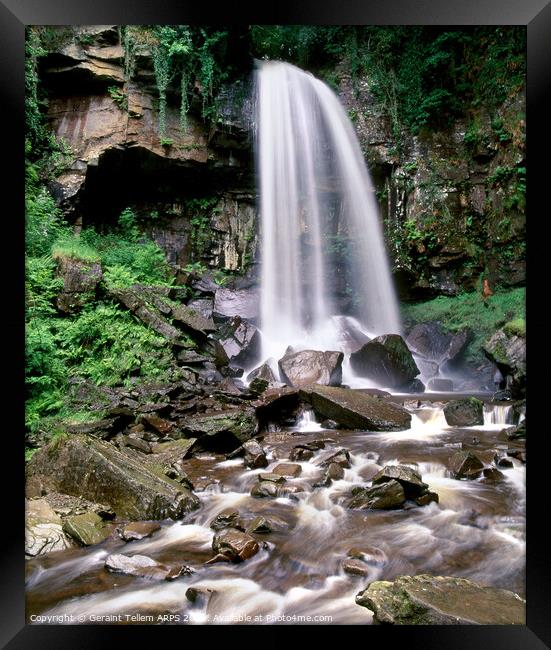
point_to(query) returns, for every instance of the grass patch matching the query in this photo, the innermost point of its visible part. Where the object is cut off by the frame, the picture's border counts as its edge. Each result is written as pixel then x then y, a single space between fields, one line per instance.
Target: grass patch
pixel 74 246
pixel 468 310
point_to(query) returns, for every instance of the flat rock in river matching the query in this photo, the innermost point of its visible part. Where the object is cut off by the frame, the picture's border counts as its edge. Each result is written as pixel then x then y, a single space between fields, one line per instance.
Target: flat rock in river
pixel 357 410
pixel 440 600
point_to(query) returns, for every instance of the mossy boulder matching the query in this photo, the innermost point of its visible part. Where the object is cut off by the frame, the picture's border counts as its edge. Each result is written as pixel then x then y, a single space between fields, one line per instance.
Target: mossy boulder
pixel 386 360
pixel 81 465
pixel 507 349
pixel 441 600
pixel 467 412
pixel 352 409
pixel 86 529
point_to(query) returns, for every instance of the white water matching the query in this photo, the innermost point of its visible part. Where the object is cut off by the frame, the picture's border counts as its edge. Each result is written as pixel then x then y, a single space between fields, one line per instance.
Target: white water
pixel 315 189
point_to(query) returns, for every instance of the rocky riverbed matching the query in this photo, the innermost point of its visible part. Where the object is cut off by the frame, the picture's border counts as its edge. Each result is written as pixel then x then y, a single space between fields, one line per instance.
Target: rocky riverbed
pixel 300 521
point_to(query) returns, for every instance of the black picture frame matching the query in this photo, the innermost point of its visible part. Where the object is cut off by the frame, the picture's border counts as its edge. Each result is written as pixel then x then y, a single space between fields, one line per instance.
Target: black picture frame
pixel 14 15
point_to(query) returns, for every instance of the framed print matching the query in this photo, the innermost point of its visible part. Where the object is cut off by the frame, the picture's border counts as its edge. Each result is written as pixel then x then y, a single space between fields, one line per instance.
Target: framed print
pixel 274 320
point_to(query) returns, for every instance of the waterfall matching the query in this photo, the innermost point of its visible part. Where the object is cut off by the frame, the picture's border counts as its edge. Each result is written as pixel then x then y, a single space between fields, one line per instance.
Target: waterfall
pixel 315 196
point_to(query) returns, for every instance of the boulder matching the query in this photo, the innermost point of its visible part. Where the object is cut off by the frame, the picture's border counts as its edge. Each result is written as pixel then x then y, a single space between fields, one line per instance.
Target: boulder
pixel 227 518
pixel 387 495
pixel 291 470
pixel 253 454
pixel 203 306
pixel 341 457
pixel 464 464
pixel 143 566
pixel 301 454
pixel 265 489
pixel 357 410
pixel 80 280
pixel 307 367
pixel 81 465
pixel 138 530
pixel 86 529
pixel 408 478
pixel 426 498
pixel 43 529
pixel 192 321
pixel 241 341
pixel 464 412
pixel 411 386
pixel 355 567
pixel 270 476
pixel 429 340
pixel 278 404
pixel 235 545
pixel 441 600
pixel 259 525
pixel 386 360
pixel 263 372
pixel 236 302
pixel 439 384
pixel 222 430
pixel 507 349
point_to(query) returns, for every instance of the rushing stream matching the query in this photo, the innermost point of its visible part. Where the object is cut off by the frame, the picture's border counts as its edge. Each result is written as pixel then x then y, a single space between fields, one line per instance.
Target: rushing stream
pixel 475 531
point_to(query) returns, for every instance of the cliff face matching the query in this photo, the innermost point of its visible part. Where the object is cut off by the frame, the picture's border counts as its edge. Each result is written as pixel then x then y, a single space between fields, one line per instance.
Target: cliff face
pixel 452 201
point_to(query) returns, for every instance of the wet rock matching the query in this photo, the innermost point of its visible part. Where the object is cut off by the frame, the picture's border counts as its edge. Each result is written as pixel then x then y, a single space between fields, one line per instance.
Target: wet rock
pixel 265 489
pixel 519 454
pixel 335 471
pixel 503 461
pixel 307 367
pixel 355 567
pixel 138 530
pixel 253 454
pixel 200 595
pixel 330 424
pixel 439 600
pixel 357 410
pixel 278 405
pixel 439 384
pixel 517 432
pixel 428 497
pixel 259 525
pixel 80 280
pixel 408 478
pixel 227 518
pixel 241 341
pixel 144 567
pixel 274 478
pixel 412 386
pixel 43 529
pixel 264 372
pixel 507 349
pixel 493 475
pixel 384 496
pixel 86 529
pixel 341 457
pixel 288 469
pixel 464 464
pixel 236 545
pixel 387 360
pixel 222 430
pixel 370 555
pixel 301 454
pixel 80 465
pixel 236 302
pixel 430 341
pixel 464 412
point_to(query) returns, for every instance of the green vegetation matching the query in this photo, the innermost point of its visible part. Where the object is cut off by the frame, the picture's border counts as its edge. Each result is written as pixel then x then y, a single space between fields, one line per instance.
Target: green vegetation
pixel 504 308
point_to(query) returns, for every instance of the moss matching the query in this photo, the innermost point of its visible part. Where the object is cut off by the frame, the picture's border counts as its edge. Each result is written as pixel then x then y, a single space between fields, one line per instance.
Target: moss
pixel 516 327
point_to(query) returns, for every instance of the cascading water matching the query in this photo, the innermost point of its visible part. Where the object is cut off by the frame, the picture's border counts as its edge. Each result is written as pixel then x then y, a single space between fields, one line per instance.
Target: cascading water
pixel 315 193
